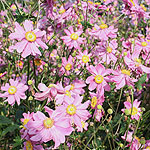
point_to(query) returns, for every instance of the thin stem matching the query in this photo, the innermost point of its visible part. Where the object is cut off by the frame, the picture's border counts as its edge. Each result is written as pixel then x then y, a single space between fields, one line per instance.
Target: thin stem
pixel 119 101
pixel 95 133
pixel 129 120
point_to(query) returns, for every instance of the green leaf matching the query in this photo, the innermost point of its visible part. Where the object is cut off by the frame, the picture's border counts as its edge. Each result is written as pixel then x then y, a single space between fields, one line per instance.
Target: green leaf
pixel 18 142
pixel 10 128
pixel 141 81
pixel 4 120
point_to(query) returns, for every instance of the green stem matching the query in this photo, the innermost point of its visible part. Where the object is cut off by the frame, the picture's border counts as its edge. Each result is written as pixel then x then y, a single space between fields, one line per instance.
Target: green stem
pixel 119 101
pixel 95 133
pixel 129 120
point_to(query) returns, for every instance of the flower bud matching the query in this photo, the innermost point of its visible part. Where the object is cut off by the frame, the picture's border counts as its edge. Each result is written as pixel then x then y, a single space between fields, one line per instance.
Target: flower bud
pixel 127 112
pixel 121 145
pixel 59 65
pixel 46 65
pixel 57 57
pixel 143 109
pixel 99 106
pixel 30 82
pixel 125 53
pixel 110 111
pixel 130 87
pixel 30 98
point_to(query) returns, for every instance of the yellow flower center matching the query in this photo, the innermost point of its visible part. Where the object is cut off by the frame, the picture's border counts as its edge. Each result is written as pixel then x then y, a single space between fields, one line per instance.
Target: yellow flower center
pixel 94 101
pixel 25 122
pixel 68 67
pixel 12 90
pixel 37 62
pixel 30 36
pixel 29 145
pixel 1 74
pixel 48 123
pixel 74 36
pixel 71 109
pixel 148 147
pixel 68 93
pixel 85 58
pixel 62 11
pixel 134 111
pixel 72 87
pixel 127 72
pixel 99 79
pixel 138 62
pixel 144 44
pixel 103 26
pixel 83 124
pixel 97 3
pixel 90 2
pixel 132 2
pixel 109 49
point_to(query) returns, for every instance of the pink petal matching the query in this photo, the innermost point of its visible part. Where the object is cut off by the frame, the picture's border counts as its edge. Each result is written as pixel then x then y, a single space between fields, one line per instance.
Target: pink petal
pixel 28 25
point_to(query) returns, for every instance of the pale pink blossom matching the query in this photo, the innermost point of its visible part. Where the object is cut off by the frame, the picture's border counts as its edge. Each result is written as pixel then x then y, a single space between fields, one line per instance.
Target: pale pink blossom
pixel 134 62
pixel 14 92
pixel 135 109
pixel 75 110
pixel 73 38
pixel 45 128
pixel 98 80
pixel 84 58
pixel 29 40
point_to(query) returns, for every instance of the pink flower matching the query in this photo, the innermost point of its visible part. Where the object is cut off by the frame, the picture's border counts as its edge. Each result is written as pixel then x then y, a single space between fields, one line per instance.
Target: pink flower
pixel 47 92
pixel 107 51
pixel 98 79
pixel 134 62
pixel 64 93
pixel 73 39
pixel 3 74
pixel 99 113
pixel 122 78
pixel 135 109
pixel 73 109
pixel 14 92
pixel 25 120
pixel 49 128
pixel 68 65
pixel 84 57
pixel 135 145
pixel 97 99
pixel 29 39
pixel 30 145
pixel 77 87
pixel 129 136
pixel 103 31
pixel 84 126
pixel 142 45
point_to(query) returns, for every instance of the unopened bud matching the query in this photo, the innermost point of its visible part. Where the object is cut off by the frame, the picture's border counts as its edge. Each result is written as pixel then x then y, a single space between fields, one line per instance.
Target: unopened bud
pixel 57 57
pixel 99 106
pixel 127 112
pixel 110 111
pixel 30 82
pixel 30 98
pixel 121 145
pixel 125 53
